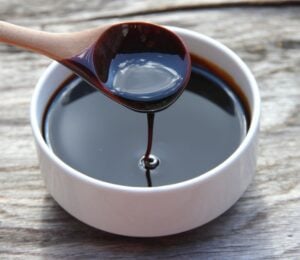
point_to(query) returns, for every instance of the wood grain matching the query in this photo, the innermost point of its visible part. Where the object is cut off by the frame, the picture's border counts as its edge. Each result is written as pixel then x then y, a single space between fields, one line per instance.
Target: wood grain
pixel 46 12
pixel 264 224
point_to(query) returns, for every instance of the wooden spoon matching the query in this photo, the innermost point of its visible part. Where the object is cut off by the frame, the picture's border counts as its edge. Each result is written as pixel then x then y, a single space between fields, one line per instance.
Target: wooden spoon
pixel 57 46
pixel 153 56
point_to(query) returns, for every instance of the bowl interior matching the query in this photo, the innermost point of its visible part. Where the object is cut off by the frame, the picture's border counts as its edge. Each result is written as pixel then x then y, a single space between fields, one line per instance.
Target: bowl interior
pixel 198 44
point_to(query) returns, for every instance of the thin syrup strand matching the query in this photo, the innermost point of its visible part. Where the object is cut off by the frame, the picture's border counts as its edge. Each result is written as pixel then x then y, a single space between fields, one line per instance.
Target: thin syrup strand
pixel 150 119
pixel 148 176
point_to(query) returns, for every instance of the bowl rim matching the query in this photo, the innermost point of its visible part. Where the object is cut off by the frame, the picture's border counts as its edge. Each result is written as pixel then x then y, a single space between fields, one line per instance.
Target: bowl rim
pixel 249 138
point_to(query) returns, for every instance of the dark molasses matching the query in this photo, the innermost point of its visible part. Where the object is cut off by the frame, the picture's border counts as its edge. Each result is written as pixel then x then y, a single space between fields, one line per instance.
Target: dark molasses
pixel 106 141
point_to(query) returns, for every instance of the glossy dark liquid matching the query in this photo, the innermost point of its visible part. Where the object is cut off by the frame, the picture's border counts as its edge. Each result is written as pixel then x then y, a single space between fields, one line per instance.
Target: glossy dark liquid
pixel 106 141
pixel 141 66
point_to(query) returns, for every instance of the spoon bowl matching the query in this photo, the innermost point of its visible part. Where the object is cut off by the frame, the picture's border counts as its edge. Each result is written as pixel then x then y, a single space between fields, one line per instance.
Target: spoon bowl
pixel 142 66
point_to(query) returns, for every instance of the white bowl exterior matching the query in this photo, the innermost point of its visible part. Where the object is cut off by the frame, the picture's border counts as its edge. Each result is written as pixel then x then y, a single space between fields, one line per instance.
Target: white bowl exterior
pixel 158 211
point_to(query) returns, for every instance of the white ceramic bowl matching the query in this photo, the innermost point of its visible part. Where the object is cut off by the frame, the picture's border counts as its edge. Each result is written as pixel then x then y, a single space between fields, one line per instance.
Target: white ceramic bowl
pixel 157 211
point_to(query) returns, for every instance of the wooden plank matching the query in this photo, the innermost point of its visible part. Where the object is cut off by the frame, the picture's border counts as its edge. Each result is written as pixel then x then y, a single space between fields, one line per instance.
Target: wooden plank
pixel 63 11
pixel 265 221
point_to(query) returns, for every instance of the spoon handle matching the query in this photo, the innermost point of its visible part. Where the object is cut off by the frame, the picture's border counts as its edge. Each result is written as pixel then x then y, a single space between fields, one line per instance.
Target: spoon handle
pixel 56 46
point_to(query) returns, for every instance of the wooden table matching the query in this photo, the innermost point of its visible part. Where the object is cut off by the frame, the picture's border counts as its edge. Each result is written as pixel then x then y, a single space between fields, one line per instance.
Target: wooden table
pixel 264 223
